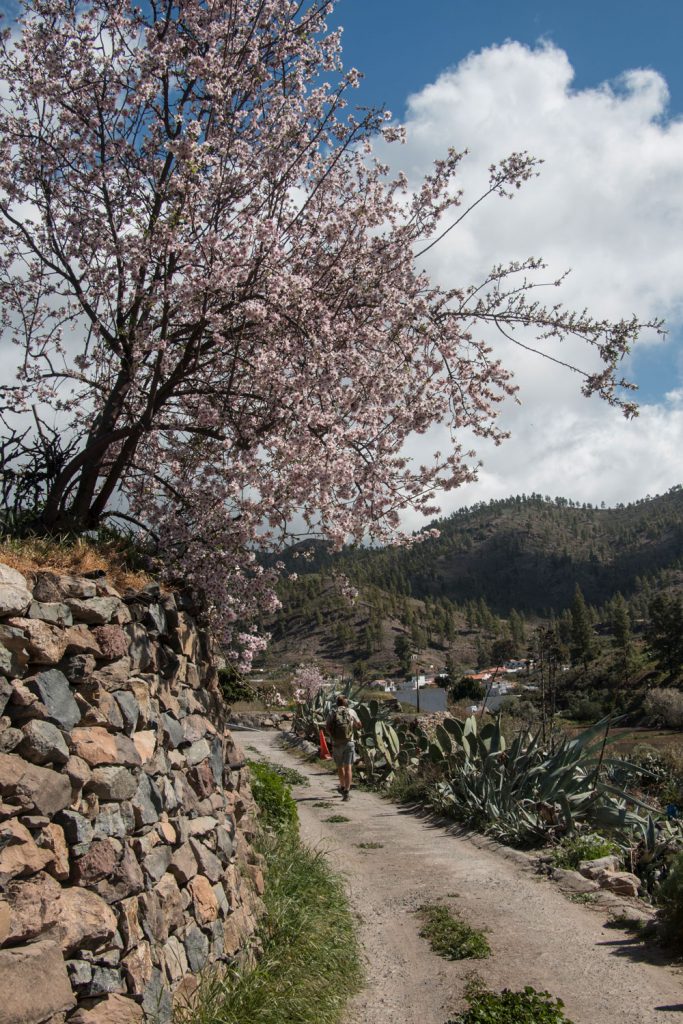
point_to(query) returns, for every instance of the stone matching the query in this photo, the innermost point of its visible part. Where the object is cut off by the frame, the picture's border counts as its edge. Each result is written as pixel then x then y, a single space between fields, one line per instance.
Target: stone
pixel 147 802
pixel 168 794
pixel 622 883
pixel 144 844
pixel 204 900
pixel 187 636
pixel 158 765
pixel 196 949
pixel 78 667
pixel 44 789
pixel 13 653
pixel 99 862
pixel 54 612
pixel 166 832
pixel 53 690
pixel 46 644
pixel 34 983
pixel 112 641
pixel 85 920
pixel 130 710
pixel 256 875
pixel 183 864
pixel 76 587
pixel 154 619
pixel 145 743
pixel 112 783
pixel 115 1009
pixel 148 714
pixel 43 743
pixel 126 880
pixel 171 900
pixel 52 838
pixel 98 747
pixel 202 780
pixel 34 906
pixel 9 740
pixel 129 922
pixel 80 972
pixel 195 728
pixel 236 931
pixel 139 647
pixel 593 868
pixel 197 752
pixel 109 712
pixel 95 611
pixel 224 844
pixel 79 640
pixel 109 822
pixel 208 862
pixel 172 730
pixel 206 824
pixel 157 1003
pixel 19 853
pixel 155 864
pixel 172 957
pixel 77 829
pixel 137 966
pixel 106 980
pixel 47 588
pixel 15 596
pixel 153 918
pixel 78 771
pixel 572 881
pixel 5 922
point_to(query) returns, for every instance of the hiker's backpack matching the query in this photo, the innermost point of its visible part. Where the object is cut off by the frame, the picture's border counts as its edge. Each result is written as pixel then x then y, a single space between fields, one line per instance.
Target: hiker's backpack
pixel 341 725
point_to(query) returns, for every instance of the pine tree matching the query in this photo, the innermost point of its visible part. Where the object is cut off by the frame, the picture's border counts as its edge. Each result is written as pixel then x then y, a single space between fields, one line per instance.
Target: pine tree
pixel 582 631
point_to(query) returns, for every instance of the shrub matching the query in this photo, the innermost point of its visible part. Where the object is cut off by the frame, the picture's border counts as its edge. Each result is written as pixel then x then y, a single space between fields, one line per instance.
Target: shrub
pixel 271 793
pixel 233 686
pixel 572 851
pixel 671 899
pixel 451 938
pixel 664 707
pixel 507 1007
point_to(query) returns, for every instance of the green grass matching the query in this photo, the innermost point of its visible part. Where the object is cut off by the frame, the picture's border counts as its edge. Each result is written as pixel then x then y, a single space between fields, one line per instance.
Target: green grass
pixel 336 819
pixel 370 846
pixel 451 938
pixel 323 803
pixel 272 794
pixel 571 852
pixel 310 964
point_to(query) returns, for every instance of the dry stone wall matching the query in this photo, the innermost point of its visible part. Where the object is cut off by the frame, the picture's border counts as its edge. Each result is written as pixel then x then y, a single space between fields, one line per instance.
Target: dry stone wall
pixel 125 810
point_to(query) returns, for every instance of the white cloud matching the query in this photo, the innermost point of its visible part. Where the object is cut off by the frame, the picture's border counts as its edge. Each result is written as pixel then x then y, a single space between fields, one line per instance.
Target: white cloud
pixel 609 205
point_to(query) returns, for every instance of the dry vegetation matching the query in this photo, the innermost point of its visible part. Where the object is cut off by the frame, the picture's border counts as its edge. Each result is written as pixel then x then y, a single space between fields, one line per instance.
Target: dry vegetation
pixel 74 557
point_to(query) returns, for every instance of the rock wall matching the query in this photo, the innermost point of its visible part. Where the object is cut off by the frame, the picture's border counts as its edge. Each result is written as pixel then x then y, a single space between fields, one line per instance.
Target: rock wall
pixel 125 813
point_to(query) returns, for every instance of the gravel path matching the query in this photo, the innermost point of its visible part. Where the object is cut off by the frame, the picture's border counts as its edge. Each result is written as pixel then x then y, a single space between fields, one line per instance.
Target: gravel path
pixel 537 935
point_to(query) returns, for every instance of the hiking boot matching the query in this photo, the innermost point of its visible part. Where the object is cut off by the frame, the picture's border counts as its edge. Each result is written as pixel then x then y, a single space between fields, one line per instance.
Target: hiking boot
pixel 345 794
pixel 340 789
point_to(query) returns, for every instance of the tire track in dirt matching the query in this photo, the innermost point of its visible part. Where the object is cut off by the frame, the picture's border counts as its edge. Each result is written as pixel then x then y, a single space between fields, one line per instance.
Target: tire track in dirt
pixel 538 937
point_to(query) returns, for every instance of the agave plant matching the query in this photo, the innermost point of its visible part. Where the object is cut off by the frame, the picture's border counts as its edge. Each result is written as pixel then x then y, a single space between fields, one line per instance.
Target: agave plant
pixel 522 793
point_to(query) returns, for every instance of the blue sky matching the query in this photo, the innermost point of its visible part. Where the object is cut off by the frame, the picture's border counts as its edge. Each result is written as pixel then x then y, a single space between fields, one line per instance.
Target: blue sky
pixel 400 45
pixel 414 57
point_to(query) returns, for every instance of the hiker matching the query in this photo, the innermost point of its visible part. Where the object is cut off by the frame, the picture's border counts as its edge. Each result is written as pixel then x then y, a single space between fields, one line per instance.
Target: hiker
pixel 341 724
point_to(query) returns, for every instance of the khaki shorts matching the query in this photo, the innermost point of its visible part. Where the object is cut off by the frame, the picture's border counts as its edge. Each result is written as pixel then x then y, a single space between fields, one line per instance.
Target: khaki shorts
pixel 344 753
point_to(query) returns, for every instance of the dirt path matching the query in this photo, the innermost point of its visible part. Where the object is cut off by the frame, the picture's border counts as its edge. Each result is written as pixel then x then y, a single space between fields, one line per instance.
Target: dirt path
pixel 537 935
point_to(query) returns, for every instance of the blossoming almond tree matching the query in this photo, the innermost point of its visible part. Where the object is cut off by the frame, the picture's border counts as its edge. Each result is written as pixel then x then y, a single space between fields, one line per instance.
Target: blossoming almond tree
pixel 214 286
